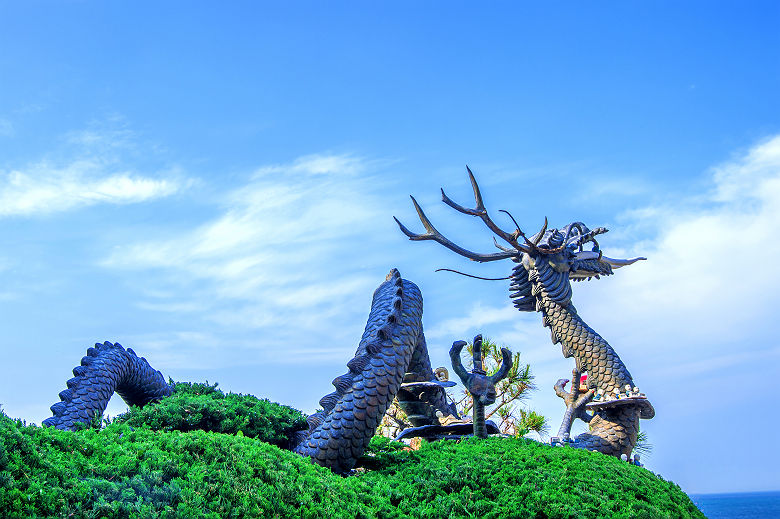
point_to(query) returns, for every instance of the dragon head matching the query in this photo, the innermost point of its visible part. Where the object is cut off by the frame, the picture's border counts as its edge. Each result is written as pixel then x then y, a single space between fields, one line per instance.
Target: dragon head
pixel 548 260
pixel 563 250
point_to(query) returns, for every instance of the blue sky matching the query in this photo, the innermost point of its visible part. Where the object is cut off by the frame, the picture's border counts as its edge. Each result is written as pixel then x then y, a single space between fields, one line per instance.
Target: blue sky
pixel 215 188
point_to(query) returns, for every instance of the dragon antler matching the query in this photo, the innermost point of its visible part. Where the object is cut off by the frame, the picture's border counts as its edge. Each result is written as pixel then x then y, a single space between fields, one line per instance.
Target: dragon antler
pixel 479 210
pixel 433 234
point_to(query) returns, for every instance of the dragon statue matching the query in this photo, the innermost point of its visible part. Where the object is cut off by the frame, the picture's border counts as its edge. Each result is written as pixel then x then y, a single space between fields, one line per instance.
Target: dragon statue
pixel 541 281
pixel 392 357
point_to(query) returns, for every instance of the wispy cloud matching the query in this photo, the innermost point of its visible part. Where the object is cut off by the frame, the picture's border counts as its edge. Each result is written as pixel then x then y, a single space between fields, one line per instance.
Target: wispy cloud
pixel 320 164
pixel 279 257
pixel 279 219
pixel 711 270
pixel 44 189
pixel 477 317
pixel 92 174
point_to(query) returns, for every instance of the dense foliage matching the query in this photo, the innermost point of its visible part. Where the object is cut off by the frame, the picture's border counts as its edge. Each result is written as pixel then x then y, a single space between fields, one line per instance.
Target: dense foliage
pixel 123 471
pixel 517 477
pixel 134 469
pixel 203 407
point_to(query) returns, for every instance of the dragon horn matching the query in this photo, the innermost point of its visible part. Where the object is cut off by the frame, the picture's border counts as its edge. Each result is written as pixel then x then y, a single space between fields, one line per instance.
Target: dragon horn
pixel 538 236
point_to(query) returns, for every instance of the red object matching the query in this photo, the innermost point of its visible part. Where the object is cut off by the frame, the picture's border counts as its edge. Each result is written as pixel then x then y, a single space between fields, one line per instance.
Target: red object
pixel 583 383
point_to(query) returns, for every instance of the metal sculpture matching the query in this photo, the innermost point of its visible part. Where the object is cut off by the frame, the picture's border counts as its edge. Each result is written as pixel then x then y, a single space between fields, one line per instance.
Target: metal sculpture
pixel 541 281
pixel 480 386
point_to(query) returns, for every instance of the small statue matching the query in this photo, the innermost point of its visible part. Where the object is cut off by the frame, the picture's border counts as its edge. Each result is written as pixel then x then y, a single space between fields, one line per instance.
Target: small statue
pixel 442 374
pixel 575 401
pixel 481 387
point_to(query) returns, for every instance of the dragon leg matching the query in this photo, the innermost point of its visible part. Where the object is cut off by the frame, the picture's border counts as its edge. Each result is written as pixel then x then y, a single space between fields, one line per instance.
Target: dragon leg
pixel 107 368
pixel 575 403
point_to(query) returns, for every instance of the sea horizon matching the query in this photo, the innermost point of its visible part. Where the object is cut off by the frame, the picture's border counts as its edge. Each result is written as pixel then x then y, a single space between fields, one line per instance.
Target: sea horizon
pixel 739 505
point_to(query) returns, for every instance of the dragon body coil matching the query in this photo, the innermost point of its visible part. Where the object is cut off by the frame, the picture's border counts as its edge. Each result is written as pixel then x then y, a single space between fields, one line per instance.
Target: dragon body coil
pixel 107 368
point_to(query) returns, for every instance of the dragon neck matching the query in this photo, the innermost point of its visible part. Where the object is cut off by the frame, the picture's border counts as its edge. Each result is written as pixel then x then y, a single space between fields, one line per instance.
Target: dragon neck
pixel 593 355
pixel 549 292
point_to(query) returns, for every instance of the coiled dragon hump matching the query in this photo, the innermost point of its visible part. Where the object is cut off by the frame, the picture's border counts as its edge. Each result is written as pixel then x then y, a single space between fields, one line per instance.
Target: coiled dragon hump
pixel 107 368
pixel 392 351
pixel 541 281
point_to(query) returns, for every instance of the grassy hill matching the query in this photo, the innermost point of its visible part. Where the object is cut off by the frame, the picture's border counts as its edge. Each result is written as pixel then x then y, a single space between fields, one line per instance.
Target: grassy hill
pixel 156 462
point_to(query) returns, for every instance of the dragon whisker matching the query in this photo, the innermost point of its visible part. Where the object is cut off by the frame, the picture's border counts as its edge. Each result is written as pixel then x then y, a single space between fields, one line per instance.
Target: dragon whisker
pixel 472 276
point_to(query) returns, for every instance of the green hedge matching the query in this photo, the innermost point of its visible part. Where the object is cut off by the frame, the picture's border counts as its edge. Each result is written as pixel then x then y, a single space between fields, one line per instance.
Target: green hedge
pixel 137 467
pixel 122 471
pixel 203 407
pixel 507 477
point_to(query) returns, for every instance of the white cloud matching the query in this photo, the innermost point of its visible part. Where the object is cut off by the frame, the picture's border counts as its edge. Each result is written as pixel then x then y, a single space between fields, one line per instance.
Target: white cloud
pixel 751 178
pixel 277 221
pixel 91 172
pixel 280 257
pixel 103 137
pixel 711 273
pixel 44 189
pixel 477 317
pixel 318 164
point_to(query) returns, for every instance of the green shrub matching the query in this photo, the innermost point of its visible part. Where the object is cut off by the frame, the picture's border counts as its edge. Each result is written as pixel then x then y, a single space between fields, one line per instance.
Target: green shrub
pixel 143 465
pixel 123 471
pixel 203 407
pixel 516 477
